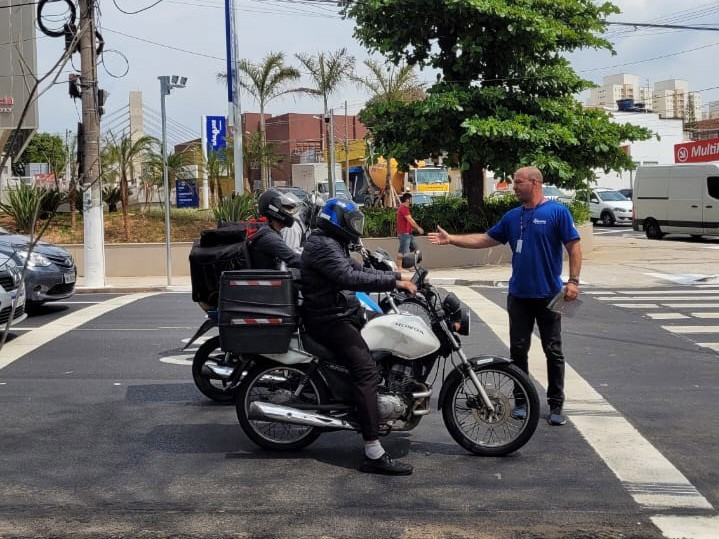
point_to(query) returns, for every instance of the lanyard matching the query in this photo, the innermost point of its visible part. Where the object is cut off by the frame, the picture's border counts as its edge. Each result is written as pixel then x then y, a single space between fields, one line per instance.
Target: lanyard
pixel 522 225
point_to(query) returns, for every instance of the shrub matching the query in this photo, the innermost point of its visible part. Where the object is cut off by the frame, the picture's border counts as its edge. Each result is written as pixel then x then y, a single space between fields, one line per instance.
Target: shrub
pixel 236 208
pixel 26 203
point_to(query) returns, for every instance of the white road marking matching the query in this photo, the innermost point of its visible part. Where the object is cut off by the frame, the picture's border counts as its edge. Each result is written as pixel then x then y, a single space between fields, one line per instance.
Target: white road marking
pixel 663 292
pixel 686 278
pixel 199 340
pixel 711 345
pixel 25 344
pixel 705 315
pixel 183 359
pixel 637 305
pixel 658 298
pixel 692 329
pixel 687 527
pixel 692 305
pixel 75 302
pixel 666 316
pixel 653 481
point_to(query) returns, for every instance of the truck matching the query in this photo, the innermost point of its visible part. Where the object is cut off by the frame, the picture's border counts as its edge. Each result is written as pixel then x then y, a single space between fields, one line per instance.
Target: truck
pixel 312 177
pixel 677 199
pixel 431 180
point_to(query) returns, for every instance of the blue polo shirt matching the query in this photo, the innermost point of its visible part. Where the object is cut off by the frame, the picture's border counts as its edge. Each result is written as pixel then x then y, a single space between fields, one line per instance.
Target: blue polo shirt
pixel 544 230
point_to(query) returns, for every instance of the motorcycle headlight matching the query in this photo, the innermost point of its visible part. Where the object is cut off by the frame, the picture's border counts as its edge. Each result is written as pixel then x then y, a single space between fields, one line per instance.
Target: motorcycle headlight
pixel 36 259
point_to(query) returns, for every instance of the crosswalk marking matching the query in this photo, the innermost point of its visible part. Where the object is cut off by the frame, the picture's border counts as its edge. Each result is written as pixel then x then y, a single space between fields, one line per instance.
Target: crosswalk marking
pixel 692 329
pixel 638 305
pixel 705 315
pixel 666 316
pixel 711 345
pixel 691 305
pixel 652 481
pixel 657 298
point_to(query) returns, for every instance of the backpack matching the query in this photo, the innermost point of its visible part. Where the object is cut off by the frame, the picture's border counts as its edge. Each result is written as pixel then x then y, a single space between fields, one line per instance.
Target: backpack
pixel 219 249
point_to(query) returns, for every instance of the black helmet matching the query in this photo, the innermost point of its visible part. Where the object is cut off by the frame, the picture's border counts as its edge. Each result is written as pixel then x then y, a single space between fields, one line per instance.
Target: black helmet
pixel 279 206
pixel 342 220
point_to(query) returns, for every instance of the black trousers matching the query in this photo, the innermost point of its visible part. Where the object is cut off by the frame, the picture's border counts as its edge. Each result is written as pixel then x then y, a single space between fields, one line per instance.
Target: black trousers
pixel 523 313
pixel 344 340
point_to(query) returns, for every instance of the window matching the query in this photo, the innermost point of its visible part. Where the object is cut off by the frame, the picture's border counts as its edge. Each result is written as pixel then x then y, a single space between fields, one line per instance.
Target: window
pixel 713 186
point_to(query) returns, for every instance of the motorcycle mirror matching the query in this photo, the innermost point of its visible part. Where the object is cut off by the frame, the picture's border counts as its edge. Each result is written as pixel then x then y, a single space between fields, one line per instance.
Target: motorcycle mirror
pixel 411 260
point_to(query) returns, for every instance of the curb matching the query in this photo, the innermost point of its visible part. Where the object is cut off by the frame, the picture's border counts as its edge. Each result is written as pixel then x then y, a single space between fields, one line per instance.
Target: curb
pixel 131 289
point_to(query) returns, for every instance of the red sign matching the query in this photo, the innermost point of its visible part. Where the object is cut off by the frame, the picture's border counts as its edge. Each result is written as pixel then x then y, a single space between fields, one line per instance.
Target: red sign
pixel 697 152
pixel 6 100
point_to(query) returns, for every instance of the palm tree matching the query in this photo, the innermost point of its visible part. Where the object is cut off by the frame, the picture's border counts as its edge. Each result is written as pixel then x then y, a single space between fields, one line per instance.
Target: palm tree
pixel 328 72
pixel 121 156
pixel 389 83
pixel 264 83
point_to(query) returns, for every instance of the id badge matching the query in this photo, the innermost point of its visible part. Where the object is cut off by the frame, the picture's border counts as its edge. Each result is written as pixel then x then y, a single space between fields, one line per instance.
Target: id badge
pixel 518 249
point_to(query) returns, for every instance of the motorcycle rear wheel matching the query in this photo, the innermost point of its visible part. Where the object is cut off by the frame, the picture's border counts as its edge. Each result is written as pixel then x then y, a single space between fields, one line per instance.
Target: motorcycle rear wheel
pixel 210 384
pixel 277 384
pixel 477 429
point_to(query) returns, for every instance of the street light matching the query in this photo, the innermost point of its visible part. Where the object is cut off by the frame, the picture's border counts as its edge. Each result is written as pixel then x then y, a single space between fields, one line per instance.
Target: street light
pixel 167 84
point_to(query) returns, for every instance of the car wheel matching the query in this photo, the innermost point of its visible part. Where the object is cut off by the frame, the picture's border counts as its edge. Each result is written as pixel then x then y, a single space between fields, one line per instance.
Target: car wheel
pixel 652 230
pixel 607 219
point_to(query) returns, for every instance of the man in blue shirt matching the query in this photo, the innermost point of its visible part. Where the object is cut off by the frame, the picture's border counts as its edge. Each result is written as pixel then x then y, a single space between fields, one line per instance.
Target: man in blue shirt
pixel 536 231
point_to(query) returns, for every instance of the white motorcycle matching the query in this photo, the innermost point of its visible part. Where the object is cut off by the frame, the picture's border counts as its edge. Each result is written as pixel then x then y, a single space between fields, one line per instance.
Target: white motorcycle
pixel 489 406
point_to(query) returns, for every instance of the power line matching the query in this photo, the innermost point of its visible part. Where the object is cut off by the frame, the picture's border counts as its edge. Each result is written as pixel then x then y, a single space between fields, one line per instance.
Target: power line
pixel 672 26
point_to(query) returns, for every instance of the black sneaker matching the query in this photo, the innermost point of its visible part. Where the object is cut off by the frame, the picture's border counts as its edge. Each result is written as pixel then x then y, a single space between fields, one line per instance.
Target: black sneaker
pixel 519 413
pixel 385 465
pixel 555 417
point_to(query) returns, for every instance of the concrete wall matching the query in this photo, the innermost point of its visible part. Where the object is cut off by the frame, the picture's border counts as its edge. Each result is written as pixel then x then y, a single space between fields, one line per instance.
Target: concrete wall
pixel 148 259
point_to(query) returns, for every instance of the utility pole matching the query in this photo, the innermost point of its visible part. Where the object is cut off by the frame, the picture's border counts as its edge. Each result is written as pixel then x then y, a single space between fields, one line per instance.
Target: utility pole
pixel 347 151
pixel 332 154
pixel 94 233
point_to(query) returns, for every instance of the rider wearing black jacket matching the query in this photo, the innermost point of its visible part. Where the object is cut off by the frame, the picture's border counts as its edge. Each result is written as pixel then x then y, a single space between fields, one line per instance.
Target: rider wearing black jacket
pixel 333 315
pixel 266 246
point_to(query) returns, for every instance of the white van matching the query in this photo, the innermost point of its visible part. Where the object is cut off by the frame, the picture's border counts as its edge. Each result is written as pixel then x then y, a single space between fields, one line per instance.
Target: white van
pixel 677 199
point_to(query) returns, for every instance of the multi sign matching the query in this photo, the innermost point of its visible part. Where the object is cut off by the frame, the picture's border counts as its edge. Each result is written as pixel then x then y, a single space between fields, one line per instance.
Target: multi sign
pixel 216 129
pixel 6 104
pixel 697 152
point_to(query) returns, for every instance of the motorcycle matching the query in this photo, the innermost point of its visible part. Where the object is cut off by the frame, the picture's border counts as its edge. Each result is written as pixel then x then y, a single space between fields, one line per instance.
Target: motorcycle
pixel 217 373
pixel 286 401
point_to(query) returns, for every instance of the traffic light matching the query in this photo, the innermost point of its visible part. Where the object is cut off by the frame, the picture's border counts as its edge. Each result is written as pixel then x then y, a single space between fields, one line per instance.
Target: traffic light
pixel 102 96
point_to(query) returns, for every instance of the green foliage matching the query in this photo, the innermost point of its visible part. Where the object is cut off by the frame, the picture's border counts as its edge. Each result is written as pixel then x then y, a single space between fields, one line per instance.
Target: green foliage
pixel 236 208
pixel 504 93
pixel 43 148
pixel 180 215
pixel 112 197
pixel 27 203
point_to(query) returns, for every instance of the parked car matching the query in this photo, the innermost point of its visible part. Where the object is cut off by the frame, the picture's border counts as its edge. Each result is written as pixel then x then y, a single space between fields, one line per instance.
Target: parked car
pixel 421 199
pixel 627 192
pixel 609 207
pixel 51 272
pixel 552 193
pixel 10 288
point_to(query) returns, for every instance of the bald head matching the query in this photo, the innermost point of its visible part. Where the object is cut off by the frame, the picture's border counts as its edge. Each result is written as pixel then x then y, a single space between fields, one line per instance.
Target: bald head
pixel 530 173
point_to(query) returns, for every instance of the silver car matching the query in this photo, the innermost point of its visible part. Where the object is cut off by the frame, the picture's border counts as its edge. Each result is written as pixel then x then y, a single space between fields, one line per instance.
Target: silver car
pixel 51 271
pixel 11 288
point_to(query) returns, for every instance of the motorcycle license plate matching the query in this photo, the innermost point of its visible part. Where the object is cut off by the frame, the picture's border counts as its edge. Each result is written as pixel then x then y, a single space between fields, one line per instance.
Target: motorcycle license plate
pixel 69 277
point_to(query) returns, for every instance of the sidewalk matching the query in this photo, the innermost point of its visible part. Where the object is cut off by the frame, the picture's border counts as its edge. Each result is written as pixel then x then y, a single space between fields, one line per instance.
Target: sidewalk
pixel 615 262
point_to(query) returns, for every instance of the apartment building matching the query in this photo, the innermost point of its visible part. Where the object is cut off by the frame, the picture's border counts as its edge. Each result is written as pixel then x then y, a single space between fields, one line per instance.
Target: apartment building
pixel 712 110
pixel 672 99
pixel 617 87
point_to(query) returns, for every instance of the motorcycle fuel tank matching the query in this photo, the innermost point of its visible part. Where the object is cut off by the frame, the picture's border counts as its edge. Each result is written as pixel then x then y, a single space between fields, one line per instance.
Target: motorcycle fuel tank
pixel 403 335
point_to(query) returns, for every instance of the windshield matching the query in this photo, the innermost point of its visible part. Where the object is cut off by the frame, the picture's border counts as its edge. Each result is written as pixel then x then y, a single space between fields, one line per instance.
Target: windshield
pixel 551 191
pixel 611 196
pixel 425 176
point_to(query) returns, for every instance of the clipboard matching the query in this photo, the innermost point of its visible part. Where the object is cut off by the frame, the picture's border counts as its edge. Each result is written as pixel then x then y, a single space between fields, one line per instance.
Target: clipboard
pixel 561 306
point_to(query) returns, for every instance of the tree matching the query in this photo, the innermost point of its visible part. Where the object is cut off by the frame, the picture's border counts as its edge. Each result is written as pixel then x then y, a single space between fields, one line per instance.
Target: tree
pixel 43 148
pixel 388 83
pixel 328 72
pixel 504 94
pixel 266 82
pixel 120 155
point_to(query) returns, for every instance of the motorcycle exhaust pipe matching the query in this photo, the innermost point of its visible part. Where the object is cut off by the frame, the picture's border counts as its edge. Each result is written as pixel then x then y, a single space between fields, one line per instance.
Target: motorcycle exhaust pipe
pixel 221 371
pixel 265 411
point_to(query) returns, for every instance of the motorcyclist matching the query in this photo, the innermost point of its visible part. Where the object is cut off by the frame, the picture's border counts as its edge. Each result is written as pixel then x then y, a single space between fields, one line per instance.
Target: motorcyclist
pixel 266 246
pixel 333 315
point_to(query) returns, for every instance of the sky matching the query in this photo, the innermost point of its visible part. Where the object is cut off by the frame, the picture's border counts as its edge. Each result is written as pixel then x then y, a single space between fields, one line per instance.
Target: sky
pixel 187 38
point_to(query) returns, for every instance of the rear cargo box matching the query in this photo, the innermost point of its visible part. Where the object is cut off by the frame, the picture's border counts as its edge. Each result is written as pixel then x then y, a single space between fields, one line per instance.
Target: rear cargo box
pixel 258 311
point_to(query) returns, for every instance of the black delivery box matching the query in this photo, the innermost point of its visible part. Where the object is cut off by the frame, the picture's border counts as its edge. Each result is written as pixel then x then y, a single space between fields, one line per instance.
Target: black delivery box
pixel 258 311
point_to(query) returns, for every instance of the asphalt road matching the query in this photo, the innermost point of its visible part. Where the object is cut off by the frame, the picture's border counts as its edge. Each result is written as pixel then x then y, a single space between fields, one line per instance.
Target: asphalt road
pixel 105 435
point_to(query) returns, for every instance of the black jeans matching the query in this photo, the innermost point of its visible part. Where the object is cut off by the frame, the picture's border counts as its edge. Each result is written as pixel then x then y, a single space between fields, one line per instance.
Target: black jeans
pixel 523 312
pixel 344 340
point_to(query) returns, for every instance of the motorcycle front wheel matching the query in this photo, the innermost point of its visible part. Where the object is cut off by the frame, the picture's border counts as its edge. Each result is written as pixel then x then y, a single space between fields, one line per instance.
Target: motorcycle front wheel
pixel 212 371
pixel 491 433
pixel 279 384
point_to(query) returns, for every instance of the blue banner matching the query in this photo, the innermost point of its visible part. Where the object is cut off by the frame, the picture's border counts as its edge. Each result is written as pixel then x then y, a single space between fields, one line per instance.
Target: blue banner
pixel 186 194
pixel 216 129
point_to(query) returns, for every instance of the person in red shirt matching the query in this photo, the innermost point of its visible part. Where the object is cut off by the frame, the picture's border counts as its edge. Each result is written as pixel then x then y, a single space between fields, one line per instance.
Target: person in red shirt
pixel 405 224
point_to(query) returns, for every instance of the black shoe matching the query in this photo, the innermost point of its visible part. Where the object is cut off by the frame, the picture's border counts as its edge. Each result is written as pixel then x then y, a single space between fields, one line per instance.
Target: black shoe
pixel 519 413
pixel 555 417
pixel 385 465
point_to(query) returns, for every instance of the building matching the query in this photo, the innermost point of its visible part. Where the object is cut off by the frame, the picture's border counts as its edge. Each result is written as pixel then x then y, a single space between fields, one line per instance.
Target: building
pixel 705 129
pixel 300 138
pixel 712 110
pixel 618 87
pixel 646 152
pixel 672 99
pixel 18 65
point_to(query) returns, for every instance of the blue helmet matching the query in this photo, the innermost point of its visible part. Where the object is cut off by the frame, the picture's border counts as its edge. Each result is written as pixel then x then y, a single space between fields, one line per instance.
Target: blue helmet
pixel 341 219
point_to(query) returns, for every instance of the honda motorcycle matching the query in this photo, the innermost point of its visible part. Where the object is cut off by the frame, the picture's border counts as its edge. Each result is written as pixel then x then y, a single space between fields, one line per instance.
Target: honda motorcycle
pixel 489 406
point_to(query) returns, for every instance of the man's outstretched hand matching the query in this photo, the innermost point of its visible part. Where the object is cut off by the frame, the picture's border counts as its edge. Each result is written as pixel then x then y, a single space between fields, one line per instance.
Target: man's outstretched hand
pixel 441 237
